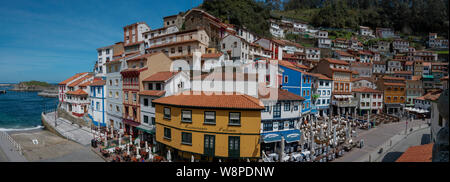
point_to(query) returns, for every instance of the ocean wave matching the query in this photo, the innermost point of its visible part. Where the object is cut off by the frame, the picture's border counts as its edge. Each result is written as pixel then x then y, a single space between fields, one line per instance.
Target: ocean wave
pixel 21 129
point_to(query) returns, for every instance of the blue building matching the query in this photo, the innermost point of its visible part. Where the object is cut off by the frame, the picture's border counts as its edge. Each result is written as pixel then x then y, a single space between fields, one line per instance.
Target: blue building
pixel 98 103
pixel 298 82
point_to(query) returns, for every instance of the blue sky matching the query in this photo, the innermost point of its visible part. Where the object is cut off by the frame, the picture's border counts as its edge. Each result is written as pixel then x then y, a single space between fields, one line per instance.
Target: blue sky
pixel 51 40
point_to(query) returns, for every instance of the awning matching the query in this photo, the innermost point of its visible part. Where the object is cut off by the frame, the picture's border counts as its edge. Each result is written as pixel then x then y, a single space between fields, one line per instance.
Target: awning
pixel 146 129
pixel 338 96
pixel 271 137
pixel 292 136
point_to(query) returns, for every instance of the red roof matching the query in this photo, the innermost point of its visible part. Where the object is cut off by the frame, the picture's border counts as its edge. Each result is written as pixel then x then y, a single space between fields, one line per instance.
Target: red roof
pixel 341 70
pixel 320 76
pixel 282 95
pixel 335 61
pixel 77 92
pixel 72 78
pixel 75 83
pixel 160 76
pixel 223 100
pixel 393 78
pixel 395 84
pixel 421 153
pixel 366 90
pixel 157 93
pixel 98 83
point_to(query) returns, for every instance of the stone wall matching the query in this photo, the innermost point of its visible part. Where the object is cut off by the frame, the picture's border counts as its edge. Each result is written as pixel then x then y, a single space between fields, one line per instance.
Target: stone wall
pixel 79 121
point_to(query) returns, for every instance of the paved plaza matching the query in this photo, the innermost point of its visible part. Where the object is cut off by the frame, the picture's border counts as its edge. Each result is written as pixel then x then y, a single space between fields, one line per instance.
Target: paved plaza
pixel 71 131
pixel 375 137
pixel 44 146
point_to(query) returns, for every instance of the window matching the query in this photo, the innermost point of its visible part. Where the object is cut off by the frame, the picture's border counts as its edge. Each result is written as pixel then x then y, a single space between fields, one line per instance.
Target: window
pixel 233 146
pixel 210 117
pixel 295 107
pixel 209 145
pixel 167 133
pixel 291 124
pixel 277 110
pixel 235 118
pixel 268 126
pixel 145 119
pixel 285 79
pixel 287 106
pixel 172 50
pixel 158 86
pixel 117 95
pixel 186 116
pixel 110 94
pixel 117 109
pixel 186 138
pixel 117 82
pixel 145 102
pixel 180 49
pixel 167 113
pixel 126 96
pixel 134 97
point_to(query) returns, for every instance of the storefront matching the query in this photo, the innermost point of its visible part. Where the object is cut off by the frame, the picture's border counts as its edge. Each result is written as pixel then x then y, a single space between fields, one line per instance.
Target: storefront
pixel 271 141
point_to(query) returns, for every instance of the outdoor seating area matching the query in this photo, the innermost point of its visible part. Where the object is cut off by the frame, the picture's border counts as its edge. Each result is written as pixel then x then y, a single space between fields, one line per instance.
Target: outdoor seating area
pixel 322 140
pixel 115 146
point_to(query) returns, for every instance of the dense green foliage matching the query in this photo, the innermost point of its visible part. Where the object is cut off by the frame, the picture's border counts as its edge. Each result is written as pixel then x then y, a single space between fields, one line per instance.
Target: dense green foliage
pixel 36 83
pixel 410 17
pixel 244 13
pixel 407 16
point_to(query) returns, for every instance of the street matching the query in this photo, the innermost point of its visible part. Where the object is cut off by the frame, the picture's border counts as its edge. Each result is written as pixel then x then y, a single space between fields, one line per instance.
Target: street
pixel 376 137
pixel 420 137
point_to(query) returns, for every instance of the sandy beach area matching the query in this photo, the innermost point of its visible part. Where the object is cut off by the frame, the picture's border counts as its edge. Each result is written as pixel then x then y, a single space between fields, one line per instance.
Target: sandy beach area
pixel 40 145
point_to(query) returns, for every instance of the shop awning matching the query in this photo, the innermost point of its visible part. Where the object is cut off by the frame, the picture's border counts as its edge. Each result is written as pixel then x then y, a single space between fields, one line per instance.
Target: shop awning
pixel 146 129
pixel 271 137
pixel 292 136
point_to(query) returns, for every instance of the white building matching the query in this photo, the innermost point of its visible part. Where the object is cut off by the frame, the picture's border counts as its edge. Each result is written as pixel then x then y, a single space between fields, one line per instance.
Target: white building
pixel 368 100
pixel 312 53
pixel 276 30
pixel 322 86
pixel 73 94
pixel 236 47
pixel 158 85
pixel 344 56
pixel 365 31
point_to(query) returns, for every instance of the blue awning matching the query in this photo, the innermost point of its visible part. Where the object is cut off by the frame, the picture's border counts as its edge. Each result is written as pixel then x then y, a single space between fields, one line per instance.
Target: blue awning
pixel 289 136
pixel 292 136
pixel 271 137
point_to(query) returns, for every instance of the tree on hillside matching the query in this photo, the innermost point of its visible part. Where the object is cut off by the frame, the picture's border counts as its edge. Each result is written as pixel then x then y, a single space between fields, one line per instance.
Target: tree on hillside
pixel 244 13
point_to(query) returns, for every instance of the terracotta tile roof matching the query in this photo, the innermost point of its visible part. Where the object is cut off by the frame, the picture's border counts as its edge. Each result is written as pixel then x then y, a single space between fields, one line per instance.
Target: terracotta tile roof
pixel 320 76
pixel 366 90
pixel 98 83
pixel 282 95
pixel 85 84
pixel 344 53
pixel 157 93
pixel 409 63
pixel 75 83
pixel 355 72
pixel 71 78
pixel 426 63
pixel 421 153
pixel 432 96
pixel 117 59
pixel 230 100
pixel 379 62
pixel 212 55
pixel 416 78
pixel 359 64
pixel 221 76
pixel 335 61
pixel 77 92
pixel 160 76
pixel 444 78
pixel 393 78
pixel 300 66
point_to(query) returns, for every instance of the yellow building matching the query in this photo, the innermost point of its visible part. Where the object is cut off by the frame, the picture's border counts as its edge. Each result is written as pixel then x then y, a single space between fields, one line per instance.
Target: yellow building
pixel 209 127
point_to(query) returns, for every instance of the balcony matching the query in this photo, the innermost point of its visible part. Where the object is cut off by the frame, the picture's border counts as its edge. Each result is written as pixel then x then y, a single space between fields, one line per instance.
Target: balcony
pixel 352 103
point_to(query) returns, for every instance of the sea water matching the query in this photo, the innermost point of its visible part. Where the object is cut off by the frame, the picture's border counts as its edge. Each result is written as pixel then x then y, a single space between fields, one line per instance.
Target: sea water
pixel 22 110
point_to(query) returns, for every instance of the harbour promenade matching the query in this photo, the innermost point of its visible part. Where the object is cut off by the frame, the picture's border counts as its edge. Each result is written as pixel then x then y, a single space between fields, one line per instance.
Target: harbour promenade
pixel 66 129
pixel 383 136
pixel 10 151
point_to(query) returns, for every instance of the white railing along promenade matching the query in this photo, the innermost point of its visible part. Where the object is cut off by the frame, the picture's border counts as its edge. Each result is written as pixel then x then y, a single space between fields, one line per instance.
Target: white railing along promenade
pixel 5 136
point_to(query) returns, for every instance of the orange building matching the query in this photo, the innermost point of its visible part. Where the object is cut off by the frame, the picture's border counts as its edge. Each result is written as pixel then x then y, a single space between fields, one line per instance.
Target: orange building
pixel 394 93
